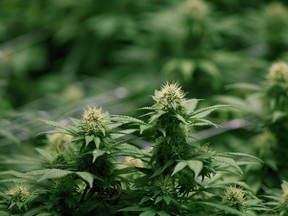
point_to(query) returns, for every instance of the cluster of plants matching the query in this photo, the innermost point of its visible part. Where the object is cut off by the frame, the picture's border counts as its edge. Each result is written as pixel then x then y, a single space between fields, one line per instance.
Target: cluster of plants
pixel 92 166
pixel 58 58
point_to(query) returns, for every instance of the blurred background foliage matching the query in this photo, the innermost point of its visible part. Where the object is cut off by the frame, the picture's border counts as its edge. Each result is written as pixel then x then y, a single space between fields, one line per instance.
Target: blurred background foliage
pixel 57 57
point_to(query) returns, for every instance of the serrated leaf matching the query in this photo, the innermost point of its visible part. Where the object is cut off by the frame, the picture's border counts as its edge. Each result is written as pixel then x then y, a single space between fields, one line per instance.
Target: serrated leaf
pixel 54 173
pixel 228 161
pixel 88 139
pixel 204 122
pixel 126 119
pixel 46 154
pixel 179 117
pixel 191 105
pixel 196 166
pixel 245 155
pixel 201 113
pixel 156 115
pixel 180 165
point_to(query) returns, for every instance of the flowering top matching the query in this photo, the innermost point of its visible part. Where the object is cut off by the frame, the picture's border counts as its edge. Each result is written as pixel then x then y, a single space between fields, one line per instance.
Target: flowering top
pixel 234 197
pixel 94 121
pixel 169 97
pixel 279 72
pixel 19 193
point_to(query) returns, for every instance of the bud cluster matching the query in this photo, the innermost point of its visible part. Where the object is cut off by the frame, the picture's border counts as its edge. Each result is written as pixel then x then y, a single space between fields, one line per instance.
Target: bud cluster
pixel 94 121
pixel 19 193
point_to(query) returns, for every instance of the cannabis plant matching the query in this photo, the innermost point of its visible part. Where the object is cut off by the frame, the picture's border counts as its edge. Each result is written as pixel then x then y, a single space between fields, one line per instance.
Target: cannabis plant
pixel 91 166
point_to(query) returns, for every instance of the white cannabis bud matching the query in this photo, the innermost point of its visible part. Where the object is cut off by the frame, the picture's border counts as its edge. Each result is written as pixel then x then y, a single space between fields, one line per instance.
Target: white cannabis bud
pixel 196 9
pixel 94 121
pixel 169 97
pixel 58 141
pixel 19 193
pixel 284 197
pixel 133 162
pixel 234 197
pixel 278 72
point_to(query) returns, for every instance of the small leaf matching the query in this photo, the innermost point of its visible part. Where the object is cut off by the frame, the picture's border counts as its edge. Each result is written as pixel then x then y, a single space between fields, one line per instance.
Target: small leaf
pixel 88 177
pixel 97 153
pixel 196 166
pixel 88 139
pixel 158 199
pixel 180 165
pixel 97 142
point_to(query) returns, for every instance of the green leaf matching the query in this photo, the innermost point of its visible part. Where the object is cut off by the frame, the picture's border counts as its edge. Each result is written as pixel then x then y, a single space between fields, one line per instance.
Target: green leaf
pixel 127 119
pixel 3 213
pixel 158 199
pixel 131 208
pixel 223 207
pixel 245 155
pixel 160 170
pixel 9 135
pixel 45 153
pixel 54 173
pixel 143 128
pixel 228 161
pixel 163 213
pixel 207 110
pixel 179 117
pixel 180 165
pixel 196 166
pixel 204 122
pixel 88 139
pixel 191 105
pixel 148 212
pixel 167 199
pixel 97 142
pixel 88 177
pixel 97 153
pixel 55 124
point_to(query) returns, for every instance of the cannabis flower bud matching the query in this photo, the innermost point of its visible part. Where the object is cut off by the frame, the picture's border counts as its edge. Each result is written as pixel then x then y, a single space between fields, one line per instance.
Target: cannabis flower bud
pixel 169 97
pixel 196 9
pixel 57 141
pixel 234 197
pixel 279 72
pixel 19 193
pixel 284 197
pixel 133 162
pixel 94 121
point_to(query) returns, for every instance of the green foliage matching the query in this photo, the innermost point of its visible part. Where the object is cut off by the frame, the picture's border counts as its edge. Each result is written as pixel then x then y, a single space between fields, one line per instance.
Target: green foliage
pixel 82 172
